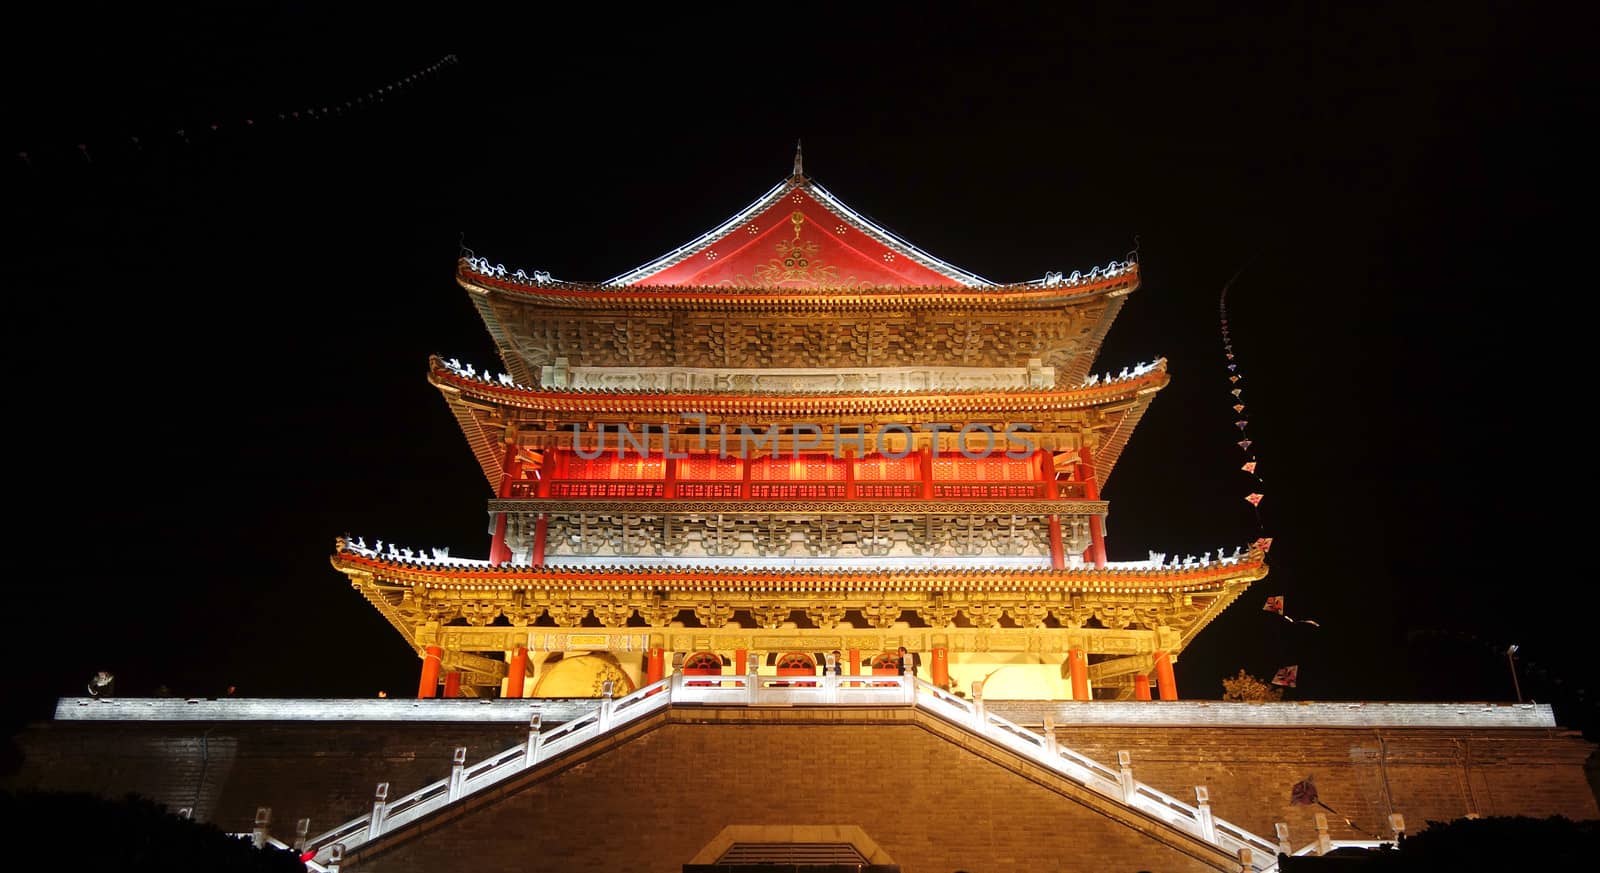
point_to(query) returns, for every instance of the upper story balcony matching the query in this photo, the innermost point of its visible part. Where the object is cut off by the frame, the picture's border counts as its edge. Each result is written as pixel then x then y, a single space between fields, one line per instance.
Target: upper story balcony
pixel 566 475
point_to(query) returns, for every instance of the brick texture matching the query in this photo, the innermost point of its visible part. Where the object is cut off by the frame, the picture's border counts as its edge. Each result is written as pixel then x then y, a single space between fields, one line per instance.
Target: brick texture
pixel 932 797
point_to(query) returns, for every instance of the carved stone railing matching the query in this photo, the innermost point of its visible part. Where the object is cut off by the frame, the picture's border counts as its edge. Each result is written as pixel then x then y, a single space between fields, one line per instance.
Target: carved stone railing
pixel 1254 852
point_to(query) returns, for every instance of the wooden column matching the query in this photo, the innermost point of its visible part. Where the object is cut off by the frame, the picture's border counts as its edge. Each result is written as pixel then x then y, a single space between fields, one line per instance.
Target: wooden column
pixel 541 530
pixel 655 665
pixel 745 464
pixel 1166 679
pixel 452 684
pixel 499 553
pixel 941 666
pixel 669 490
pixel 849 474
pixel 1141 686
pixel 925 462
pixel 517 671
pixel 1096 553
pixel 1080 675
pixel 855 662
pixel 428 685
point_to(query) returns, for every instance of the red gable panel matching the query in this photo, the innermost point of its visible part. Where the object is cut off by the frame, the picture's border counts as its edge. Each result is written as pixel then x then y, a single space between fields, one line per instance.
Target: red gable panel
pixel 797 241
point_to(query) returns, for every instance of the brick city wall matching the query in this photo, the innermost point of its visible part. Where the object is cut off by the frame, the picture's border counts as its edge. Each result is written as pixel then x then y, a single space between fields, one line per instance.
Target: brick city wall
pixel 931 796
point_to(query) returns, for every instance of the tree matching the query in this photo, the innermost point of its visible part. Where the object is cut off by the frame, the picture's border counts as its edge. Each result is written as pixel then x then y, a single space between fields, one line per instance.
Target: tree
pixel 1245 688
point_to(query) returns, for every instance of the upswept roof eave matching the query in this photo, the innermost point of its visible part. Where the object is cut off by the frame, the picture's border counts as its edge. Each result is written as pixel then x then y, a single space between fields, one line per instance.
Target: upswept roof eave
pixel 1249 567
pixel 1117 279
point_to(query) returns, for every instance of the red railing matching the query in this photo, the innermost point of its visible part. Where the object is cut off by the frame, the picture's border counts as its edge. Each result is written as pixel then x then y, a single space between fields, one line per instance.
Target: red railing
pixel 989 490
pixel 796 490
pixel 606 490
pixel 709 490
pixel 888 490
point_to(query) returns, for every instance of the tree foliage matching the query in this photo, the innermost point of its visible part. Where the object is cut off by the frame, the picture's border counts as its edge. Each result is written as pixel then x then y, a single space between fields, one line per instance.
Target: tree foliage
pixel 82 832
pixel 1246 688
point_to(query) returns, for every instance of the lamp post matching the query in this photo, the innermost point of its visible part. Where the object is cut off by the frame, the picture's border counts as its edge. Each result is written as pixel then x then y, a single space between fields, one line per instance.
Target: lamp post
pixel 1511 657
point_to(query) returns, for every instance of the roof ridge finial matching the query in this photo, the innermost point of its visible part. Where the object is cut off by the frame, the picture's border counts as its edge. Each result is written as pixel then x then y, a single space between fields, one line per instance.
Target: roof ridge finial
pixel 799 166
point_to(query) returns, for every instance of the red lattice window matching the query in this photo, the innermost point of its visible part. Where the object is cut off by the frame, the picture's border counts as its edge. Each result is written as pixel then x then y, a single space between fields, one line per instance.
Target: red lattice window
pixel 806 468
pixel 882 468
pixel 995 467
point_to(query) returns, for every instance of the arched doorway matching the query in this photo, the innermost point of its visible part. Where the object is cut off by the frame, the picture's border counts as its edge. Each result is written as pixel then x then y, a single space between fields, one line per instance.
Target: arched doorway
pixel 702 664
pixel 797 664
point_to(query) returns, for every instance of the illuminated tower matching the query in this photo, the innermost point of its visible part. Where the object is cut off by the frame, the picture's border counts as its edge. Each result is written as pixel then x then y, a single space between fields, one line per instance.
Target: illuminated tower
pixel 797 434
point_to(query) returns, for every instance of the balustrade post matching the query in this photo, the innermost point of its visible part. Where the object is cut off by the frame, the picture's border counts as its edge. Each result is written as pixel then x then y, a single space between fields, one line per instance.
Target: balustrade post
pixel 606 690
pixel 302 833
pixel 335 857
pixel 1324 843
pixel 1050 746
pixel 532 755
pixel 1284 846
pixel 458 765
pixel 1208 825
pixel 752 676
pixel 1246 857
pixel 1397 825
pixel 380 809
pixel 258 833
pixel 978 716
pixel 1125 776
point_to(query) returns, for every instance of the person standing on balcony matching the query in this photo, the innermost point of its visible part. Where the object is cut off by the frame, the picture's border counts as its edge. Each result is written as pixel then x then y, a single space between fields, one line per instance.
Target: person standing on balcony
pixel 910 662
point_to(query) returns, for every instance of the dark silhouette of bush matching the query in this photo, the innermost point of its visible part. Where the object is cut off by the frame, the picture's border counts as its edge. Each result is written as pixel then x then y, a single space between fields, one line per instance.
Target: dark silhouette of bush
pixel 82 832
pixel 1497 843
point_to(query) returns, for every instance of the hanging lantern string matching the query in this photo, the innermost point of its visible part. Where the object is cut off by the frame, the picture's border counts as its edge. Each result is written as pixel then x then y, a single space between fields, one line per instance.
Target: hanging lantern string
pixel 1252 465
pixel 84 153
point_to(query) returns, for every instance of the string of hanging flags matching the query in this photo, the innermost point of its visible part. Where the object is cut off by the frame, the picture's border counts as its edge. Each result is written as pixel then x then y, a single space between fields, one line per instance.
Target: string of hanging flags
pixel 131 141
pixel 1252 465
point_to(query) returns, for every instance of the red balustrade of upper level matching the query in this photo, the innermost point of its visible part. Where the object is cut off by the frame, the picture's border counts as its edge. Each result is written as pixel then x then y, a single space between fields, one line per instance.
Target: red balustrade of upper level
pixel 915 476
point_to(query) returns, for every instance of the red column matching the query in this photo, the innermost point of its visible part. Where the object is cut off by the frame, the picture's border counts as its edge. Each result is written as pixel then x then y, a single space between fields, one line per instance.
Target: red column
pixel 540 531
pixel 670 489
pixel 499 553
pixel 452 684
pixel 1058 552
pixel 855 662
pixel 1166 680
pixel 1080 675
pixel 655 665
pixel 517 671
pixel 1047 473
pixel 1141 686
pixel 1096 554
pixel 925 457
pixel 428 686
pixel 941 666
pixel 739 658
pixel 746 463
pixel 849 474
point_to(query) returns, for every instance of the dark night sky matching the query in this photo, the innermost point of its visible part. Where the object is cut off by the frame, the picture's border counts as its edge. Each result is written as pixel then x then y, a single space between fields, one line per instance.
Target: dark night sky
pixel 219 341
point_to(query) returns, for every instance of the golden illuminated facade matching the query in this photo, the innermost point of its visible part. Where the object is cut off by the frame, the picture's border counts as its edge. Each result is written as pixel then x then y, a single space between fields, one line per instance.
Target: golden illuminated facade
pixel 794 435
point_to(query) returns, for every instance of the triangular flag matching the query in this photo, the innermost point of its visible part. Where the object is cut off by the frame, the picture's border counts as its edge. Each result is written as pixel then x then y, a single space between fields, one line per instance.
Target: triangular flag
pixel 1274 604
pixel 1232 367
pixel 1230 357
pixel 1249 467
pixel 1241 424
pixel 1244 444
pixel 1287 676
pixel 1235 392
pixel 1304 793
pixel 1254 499
pixel 1264 544
pixel 1238 407
pixel 1233 378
